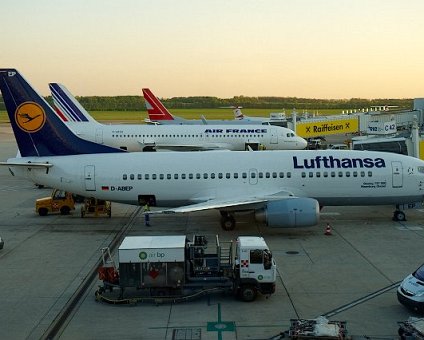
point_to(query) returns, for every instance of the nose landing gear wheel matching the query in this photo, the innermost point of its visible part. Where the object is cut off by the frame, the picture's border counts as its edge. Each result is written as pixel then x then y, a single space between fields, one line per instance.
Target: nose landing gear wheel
pixel 228 222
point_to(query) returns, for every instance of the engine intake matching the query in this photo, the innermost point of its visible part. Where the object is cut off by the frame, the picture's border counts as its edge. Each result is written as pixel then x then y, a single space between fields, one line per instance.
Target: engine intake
pixel 290 213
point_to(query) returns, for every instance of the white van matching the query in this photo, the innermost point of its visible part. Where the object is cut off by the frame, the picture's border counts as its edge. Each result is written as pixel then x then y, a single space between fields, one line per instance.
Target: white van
pixel 411 291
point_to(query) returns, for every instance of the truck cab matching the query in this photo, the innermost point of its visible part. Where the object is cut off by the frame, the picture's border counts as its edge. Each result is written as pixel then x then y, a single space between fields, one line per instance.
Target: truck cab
pixel 255 268
pixel 59 201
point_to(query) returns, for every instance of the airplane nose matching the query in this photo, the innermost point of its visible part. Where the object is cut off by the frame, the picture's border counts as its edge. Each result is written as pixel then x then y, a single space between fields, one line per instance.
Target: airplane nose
pixel 302 143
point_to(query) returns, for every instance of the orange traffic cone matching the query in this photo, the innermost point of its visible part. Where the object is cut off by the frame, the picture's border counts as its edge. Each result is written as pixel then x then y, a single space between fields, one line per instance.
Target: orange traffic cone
pixel 328 230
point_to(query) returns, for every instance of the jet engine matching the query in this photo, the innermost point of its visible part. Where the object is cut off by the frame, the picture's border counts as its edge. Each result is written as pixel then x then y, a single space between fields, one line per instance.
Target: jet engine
pixel 290 213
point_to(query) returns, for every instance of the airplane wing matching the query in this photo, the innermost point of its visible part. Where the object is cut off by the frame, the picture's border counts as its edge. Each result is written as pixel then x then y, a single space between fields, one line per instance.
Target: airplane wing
pixel 185 147
pixel 235 204
pixel 28 165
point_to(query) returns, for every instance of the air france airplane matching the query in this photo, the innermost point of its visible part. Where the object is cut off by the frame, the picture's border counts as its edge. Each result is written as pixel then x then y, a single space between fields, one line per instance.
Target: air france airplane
pixel 133 137
pixel 158 113
pixel 283 188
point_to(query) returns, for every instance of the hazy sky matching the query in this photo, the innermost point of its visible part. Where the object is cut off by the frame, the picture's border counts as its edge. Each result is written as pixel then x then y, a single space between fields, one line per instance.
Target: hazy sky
pixel 223 48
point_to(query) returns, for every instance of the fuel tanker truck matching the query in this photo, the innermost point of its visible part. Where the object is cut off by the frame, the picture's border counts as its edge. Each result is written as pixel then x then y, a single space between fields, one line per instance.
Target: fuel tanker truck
pixel 175 268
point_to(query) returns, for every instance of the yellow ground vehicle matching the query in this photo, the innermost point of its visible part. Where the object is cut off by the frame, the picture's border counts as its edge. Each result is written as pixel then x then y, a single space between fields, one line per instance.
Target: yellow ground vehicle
pixel 59 201
pixel 96 207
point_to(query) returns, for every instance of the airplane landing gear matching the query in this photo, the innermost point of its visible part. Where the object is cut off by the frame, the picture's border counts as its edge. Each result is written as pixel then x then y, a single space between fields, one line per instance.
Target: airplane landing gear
pixel 228 221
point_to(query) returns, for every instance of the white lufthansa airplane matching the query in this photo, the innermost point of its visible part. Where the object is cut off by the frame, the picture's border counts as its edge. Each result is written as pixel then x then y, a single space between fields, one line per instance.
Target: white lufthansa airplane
pixel 283 188
pixel 159 114
pixel 144 137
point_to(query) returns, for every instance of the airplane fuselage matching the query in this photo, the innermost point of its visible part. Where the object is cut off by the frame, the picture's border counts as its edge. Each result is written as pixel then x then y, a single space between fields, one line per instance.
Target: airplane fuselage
pixel 188 137
pixel 175 179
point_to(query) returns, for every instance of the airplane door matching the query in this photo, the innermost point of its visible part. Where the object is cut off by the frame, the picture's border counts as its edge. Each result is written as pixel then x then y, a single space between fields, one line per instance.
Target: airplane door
pixel 99 136
pixel 397 175
pixel 90 184
pixel 274 136
pixel 253 176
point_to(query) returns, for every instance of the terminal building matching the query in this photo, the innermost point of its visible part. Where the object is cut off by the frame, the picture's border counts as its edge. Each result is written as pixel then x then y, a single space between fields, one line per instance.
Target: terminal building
pixel 378 129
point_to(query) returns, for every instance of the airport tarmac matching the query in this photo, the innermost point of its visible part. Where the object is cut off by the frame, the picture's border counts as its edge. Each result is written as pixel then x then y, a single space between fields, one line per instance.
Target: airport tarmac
pixel 45 260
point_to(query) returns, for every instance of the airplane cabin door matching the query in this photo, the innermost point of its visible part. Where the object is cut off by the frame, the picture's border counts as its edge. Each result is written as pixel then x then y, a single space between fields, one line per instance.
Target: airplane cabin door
pixel 90 184
pixel 253 176
pixel 397 175
pixel 274 136
pixel 99 136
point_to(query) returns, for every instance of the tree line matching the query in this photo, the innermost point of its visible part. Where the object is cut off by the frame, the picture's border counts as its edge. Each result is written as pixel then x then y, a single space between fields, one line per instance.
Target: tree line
pixel 136 103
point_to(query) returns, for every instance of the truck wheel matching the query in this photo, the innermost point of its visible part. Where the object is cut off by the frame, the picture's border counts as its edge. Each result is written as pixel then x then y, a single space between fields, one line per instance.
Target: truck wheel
pixel 399 215
pixel 42 212
pixel 65 210
pixel 248 293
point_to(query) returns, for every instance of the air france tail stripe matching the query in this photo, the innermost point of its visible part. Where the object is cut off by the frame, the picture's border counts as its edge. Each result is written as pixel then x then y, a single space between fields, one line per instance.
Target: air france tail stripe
pixel 61 104
pixel 66 104
pixel 60 114
pixel 156 109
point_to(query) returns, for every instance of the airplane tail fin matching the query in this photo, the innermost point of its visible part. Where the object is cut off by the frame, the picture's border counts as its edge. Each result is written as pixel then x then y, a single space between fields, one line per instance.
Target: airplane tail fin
pixel 67 107
pixel 38 130
pixel 155 108
pixel 238 115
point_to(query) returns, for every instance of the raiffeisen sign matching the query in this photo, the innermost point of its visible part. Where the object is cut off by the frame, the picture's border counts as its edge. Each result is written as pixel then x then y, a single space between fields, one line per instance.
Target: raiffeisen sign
pixel 308 128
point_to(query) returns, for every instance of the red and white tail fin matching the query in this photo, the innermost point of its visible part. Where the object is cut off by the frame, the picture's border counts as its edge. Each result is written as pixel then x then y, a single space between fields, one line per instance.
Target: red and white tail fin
pixel 155 108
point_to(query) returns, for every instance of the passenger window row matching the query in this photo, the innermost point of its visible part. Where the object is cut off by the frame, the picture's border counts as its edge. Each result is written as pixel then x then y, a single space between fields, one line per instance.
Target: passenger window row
pixel 337 174
pixel 187 136
pixel 220 175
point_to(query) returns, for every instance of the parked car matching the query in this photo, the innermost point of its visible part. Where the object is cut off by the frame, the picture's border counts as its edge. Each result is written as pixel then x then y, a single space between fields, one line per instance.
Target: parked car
pixel 411 291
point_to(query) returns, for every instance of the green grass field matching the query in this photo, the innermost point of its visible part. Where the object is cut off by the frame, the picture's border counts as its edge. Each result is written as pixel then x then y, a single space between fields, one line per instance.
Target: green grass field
pixel 139 116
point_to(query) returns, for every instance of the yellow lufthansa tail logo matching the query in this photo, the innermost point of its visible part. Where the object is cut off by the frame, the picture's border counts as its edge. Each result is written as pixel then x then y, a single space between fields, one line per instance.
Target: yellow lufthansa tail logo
pixel 30 117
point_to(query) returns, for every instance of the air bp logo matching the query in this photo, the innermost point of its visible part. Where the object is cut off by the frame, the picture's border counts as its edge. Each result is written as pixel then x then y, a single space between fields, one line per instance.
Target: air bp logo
pixel 30 117
pixel 142 255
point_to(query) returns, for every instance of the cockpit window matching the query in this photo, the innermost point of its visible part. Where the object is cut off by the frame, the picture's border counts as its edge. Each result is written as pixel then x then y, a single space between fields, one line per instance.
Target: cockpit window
pixel 421 169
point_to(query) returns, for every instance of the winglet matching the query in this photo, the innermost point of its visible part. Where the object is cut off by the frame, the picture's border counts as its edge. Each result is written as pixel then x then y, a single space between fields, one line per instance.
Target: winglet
pixel 38 130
